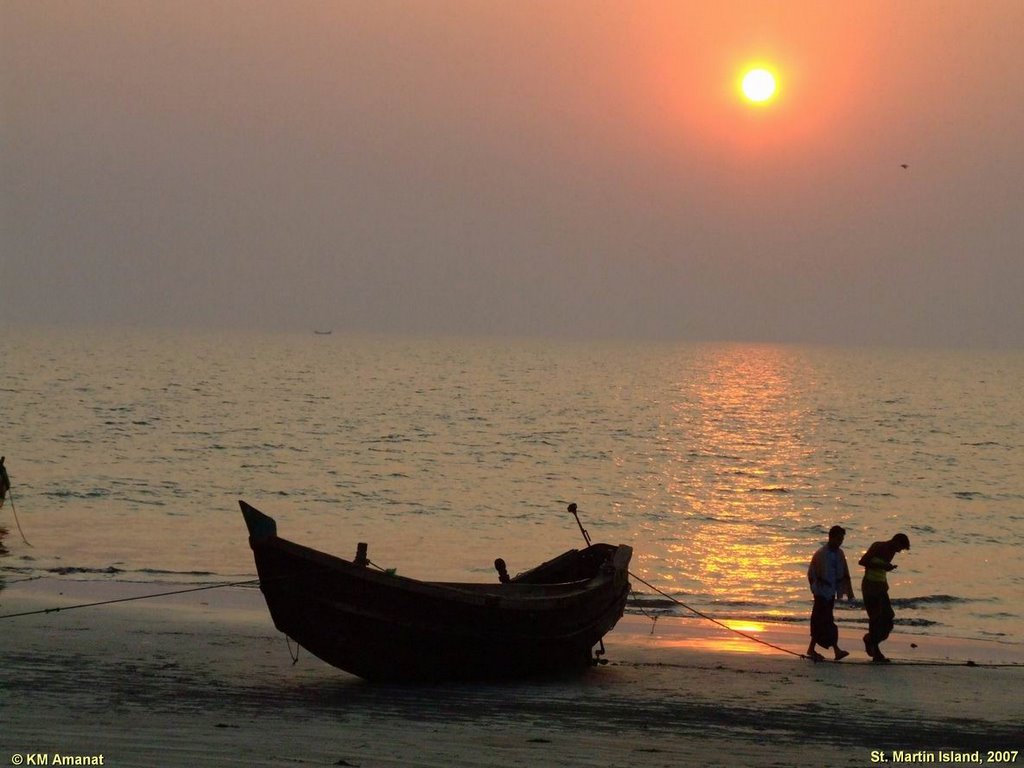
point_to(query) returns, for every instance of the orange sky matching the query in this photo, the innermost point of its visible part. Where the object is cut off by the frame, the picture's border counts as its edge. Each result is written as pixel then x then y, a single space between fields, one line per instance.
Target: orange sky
pixel 552 168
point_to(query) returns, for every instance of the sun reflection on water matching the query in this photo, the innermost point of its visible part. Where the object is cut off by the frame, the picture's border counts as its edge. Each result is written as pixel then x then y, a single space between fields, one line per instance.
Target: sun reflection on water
pixel 733 452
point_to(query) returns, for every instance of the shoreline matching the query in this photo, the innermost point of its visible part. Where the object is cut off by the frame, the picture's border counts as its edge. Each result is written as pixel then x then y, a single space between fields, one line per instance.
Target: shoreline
pixel 204 678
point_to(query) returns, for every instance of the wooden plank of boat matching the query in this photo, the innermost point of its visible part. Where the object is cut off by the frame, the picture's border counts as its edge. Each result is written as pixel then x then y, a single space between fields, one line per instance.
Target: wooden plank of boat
pixel 381 626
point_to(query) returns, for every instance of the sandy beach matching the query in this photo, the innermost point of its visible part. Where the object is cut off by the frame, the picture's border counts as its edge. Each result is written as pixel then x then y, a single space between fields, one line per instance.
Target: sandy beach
pixel 205 679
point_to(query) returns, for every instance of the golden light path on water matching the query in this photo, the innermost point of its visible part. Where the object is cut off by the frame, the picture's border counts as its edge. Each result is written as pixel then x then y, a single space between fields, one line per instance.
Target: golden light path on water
pixel 732 453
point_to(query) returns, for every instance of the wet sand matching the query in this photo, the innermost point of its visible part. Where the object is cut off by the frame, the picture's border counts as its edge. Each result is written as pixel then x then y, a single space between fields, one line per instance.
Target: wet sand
pixel 205 679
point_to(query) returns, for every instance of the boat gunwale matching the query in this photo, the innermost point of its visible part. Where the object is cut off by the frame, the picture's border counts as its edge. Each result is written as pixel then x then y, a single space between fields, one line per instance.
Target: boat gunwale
pixel 508 593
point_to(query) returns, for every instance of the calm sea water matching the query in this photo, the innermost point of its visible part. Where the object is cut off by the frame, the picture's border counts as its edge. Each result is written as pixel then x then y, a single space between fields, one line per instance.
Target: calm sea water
pixel 722 465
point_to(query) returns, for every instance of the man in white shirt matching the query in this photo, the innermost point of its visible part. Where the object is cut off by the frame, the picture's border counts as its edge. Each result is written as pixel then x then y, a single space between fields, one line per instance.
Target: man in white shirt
pixel 829 577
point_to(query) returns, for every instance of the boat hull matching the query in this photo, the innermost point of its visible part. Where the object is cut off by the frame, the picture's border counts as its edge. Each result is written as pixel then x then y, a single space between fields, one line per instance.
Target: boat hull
pixel 380 626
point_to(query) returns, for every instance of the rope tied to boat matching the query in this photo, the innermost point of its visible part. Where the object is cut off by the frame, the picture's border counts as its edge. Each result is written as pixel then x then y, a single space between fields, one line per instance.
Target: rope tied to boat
pixel 388 571
pixel 715 621
pixel 294 656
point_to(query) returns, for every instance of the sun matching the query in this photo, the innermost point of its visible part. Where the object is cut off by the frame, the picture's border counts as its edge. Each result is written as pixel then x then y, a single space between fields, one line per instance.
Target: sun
pixel 758 85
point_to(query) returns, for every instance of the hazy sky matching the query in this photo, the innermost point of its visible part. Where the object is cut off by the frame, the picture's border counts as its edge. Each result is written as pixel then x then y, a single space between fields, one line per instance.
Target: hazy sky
pixel 528 167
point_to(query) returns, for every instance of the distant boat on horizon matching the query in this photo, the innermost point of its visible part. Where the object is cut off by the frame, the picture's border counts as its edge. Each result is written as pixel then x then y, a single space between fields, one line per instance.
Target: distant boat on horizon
pixel 323 333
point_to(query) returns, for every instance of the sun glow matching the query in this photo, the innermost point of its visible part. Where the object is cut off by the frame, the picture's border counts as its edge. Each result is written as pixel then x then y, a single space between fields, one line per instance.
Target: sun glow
pixel 758 85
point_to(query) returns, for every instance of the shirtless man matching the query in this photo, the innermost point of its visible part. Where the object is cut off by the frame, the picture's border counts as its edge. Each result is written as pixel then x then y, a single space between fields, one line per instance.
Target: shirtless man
pixel 877 562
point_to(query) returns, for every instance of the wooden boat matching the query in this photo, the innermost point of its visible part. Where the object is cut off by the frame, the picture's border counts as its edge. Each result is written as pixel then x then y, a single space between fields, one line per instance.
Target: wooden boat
pixel 381 626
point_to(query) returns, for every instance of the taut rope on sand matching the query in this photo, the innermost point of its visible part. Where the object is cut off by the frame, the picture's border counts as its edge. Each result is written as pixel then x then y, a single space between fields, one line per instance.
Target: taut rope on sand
pixel 129 599
pixel 714 620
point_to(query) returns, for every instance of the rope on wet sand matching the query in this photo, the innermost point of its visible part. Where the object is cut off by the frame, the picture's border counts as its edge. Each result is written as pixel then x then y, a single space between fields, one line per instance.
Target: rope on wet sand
pixel 129 599
pixel 714 620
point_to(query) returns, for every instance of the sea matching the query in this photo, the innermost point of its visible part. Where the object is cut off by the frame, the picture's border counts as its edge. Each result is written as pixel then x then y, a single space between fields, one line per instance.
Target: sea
pixel 722 464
